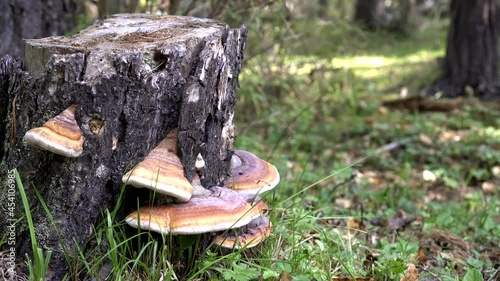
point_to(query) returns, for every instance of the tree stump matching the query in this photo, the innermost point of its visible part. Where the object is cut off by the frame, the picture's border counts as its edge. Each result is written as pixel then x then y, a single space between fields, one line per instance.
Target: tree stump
pixel 133 78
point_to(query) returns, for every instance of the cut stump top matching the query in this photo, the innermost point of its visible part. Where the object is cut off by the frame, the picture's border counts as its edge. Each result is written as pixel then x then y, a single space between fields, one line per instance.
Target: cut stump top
pixel 124 33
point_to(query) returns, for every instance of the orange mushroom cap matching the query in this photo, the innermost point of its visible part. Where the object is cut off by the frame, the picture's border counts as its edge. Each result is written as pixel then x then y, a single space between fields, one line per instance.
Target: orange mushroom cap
pixel 247 236
pixel 251 175
pixel 223 209
pixel 162 171
pixel 60 135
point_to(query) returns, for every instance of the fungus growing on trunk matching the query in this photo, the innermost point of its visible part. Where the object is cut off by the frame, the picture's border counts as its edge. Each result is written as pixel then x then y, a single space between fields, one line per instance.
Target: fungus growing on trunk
pixel 161 171
pixel 223 209
pixel 250 174
pixel 247 236
pixel 60 135
pixel 235 206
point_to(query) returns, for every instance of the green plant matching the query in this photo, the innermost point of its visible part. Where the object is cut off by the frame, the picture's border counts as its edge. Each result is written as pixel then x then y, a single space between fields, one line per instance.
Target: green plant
pixel 39 265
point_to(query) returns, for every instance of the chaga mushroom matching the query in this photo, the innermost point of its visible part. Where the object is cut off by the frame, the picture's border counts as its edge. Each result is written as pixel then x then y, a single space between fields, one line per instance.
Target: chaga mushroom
pixel 162 171
pixel 60 135
pixel 251 175
pixel 221 210
pixel 247 236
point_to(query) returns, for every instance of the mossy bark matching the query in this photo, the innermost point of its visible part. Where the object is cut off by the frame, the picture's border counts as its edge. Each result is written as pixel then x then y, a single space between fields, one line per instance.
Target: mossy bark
pixel 139 76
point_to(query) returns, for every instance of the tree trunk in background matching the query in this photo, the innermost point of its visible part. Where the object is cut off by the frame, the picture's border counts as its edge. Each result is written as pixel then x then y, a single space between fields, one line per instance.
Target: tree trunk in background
pixel 25 19
pixel 173 7
pixel 138 76
pixel 323 9
pixel 497 15
pixel 471 52
pixel 408 17
pixel 111 7
pixel 369 13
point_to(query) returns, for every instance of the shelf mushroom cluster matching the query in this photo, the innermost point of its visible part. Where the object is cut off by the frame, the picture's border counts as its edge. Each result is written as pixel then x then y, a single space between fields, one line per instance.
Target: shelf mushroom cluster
pixel 235 210
pixel 235 206
pixel 60 135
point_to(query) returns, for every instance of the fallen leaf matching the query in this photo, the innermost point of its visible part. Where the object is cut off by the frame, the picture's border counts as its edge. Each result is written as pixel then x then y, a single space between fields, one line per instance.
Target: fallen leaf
pixel 369 120
pixel 411 273
pixel 353 223
pixel 421 257
pixel 429 176
pixel 425 139
pixel 378 221
pixel 372 177
pixel 457 247
pixel 343 202
pixel 496 171
pixel 383 110
pixel 488 187
pixel 285 276
pixel 452 136
pixel 401 219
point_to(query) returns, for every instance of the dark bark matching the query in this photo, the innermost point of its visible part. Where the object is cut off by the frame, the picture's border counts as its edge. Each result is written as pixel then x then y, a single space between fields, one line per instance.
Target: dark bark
pixel 140 82
pixel 25 19
pixel 369 13
pixel 471 52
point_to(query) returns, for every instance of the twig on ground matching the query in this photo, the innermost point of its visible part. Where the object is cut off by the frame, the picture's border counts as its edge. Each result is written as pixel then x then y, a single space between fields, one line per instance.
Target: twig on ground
pixel 392 145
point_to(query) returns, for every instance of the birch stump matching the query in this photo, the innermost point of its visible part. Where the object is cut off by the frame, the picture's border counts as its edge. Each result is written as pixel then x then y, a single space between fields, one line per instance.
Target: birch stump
pixel 133 78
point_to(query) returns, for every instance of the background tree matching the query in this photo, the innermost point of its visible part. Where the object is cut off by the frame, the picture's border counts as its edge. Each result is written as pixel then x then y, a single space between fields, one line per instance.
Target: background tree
pixel 110 7
pixel 471 52
pixel 370 13
pixel 406 16
pixel 26 19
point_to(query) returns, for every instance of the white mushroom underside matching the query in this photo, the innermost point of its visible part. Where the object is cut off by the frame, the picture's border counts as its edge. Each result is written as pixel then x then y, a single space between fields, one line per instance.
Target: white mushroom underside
pixel 190 229
pixel 162 188
pixel 42 143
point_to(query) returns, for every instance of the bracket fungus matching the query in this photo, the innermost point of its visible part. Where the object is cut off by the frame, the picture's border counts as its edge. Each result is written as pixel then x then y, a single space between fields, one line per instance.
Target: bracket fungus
pixel 250 174
pixel 223 209
pixel 161 170
pixel 200 210
pixel 60 135
pixel 247 236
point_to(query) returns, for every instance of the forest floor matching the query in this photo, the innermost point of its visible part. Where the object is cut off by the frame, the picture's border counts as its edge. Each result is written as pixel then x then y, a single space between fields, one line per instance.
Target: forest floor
pixel 369 187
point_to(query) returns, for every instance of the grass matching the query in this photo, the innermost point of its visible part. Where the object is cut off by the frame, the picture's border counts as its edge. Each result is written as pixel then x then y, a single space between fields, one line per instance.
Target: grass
pixel 319 109
pixel 39 265
pixel 343 208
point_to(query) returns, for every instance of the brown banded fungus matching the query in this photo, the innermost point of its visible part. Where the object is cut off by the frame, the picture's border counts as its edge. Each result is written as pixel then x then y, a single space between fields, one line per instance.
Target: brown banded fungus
pixel 221 210
pixel 235 206
pixel 247 236
pixel 251 175
pixel 162 171
pixel 60 135
pixel 251 234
